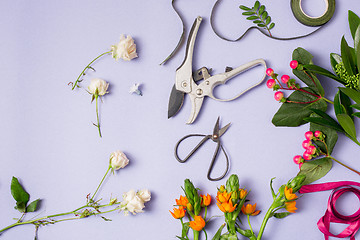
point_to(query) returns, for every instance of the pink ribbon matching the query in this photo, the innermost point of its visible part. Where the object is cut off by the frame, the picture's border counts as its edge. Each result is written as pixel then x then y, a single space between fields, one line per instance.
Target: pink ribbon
pixel 331 214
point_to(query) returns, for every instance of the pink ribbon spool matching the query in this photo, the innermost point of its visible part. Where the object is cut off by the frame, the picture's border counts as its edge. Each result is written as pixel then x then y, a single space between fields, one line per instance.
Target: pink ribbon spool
pixel 331 214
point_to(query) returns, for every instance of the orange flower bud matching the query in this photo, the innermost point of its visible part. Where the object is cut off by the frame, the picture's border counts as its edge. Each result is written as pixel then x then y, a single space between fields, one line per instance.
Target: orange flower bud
pixel 189 207
pixel 289 195
pixel 178 212
pixel 182 201
pixel 290 206
pixel 250 210
pixel 223 197
pixel 205 200
pixel 198 224
pixel 243 193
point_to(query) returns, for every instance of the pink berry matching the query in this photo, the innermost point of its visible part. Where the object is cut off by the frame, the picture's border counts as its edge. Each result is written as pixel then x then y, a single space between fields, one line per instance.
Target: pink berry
pixel 278 96
pixel 297 159
pixel 294 64
pixel 309 135
pixel 270 83
pixel 317 134
pixel 307 156
pixel 311 149
pixel 300 164
pixel 285 78
pixel 269 72
pixel 306 144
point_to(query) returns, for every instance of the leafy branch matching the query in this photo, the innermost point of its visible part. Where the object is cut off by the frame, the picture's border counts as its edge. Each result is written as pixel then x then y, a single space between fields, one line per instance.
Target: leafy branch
pixel 258 15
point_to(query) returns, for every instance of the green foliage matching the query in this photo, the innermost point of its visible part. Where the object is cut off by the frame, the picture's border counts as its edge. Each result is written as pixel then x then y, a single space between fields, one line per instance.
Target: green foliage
pixel 258 15
pixel 316 169
pixel 292 114
pixel 331 136
pixel 281 215
pixel 20 195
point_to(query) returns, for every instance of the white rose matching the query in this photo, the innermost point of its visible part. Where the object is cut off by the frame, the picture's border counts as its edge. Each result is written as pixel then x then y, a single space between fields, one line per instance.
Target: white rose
pixel 124 49
pixel 144 194
pixel 118 160
pixel 98 86
pixel 132 203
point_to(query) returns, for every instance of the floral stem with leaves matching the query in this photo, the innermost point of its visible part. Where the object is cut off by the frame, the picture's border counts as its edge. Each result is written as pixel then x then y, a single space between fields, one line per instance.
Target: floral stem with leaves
pixel 86 68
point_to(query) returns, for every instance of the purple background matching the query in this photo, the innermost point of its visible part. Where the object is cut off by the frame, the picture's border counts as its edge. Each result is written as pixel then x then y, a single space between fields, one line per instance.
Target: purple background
pixel 49 143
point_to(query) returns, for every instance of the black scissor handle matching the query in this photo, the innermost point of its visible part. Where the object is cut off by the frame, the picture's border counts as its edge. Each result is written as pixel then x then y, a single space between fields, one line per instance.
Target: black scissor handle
pixel 218 146
pixel 206 137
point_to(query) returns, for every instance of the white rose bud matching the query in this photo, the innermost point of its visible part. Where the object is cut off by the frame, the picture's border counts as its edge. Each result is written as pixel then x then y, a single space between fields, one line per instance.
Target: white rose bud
pixel 144 194
pixel 132 203
pixel 98 86
pixel 124 49
pixel 118 160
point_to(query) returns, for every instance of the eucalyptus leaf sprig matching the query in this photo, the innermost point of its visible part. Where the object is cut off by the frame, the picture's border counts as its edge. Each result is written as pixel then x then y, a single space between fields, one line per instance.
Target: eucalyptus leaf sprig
pixel 132 202
pixel 258 15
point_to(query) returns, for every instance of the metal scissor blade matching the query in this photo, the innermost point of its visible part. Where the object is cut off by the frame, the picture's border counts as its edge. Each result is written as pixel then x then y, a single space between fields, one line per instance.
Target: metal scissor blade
pixel 224 129
pixel 176 101
pixel 196 104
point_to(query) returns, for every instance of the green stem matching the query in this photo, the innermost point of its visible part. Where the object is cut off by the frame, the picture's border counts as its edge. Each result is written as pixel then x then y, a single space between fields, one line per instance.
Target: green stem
pixel 264 222
pixel 248 218
pixel 344 165
pixel 88 66
pixel 196 235
pixel 97 114
pixel 327 100
pixel 37 221
pixel 102 180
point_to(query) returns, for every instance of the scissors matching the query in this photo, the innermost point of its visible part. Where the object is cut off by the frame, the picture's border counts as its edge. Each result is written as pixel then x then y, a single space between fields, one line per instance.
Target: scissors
pixel 185 82
pixel 215 137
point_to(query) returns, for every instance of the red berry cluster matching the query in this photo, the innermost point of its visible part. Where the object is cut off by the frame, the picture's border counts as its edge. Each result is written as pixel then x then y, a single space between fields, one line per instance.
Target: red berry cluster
pixel 275 84
pixel 311 149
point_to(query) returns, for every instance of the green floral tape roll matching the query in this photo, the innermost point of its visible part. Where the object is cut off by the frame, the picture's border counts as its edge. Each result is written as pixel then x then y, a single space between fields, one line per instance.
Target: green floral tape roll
pixel 305 19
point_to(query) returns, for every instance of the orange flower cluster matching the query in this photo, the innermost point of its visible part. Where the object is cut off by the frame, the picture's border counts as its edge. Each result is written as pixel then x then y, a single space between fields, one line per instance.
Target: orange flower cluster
pixel 183 204
pixel 290 203
pixel 179 212
pixel 224 201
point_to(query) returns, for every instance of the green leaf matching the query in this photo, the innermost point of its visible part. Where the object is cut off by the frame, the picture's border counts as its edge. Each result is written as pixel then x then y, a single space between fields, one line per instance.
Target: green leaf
pixel 261 9
pixel 248 13
pixel 357 47
pixel 257 21
pixel 323 122
pixel 322 71
pixel 272 25
pixel 261 25
pixel 347 57
pixel 32 207
pixel 302 56
pixel 264 15
pixel 338 107
pixel 242 7
pixel 218 233
pixel 256 5
pixel 352 93
pixel 292 114
pixel 357 114
pixel 268 20
pixel 252 18
pixel 327 120
pixel 335 59
pixel 305 58
pixel 354 22
pixel 331 137
pixel 20 195
pixel 316 169
pixel 281 215
pixel 347 124
pixel 356 106
pixel 185 229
